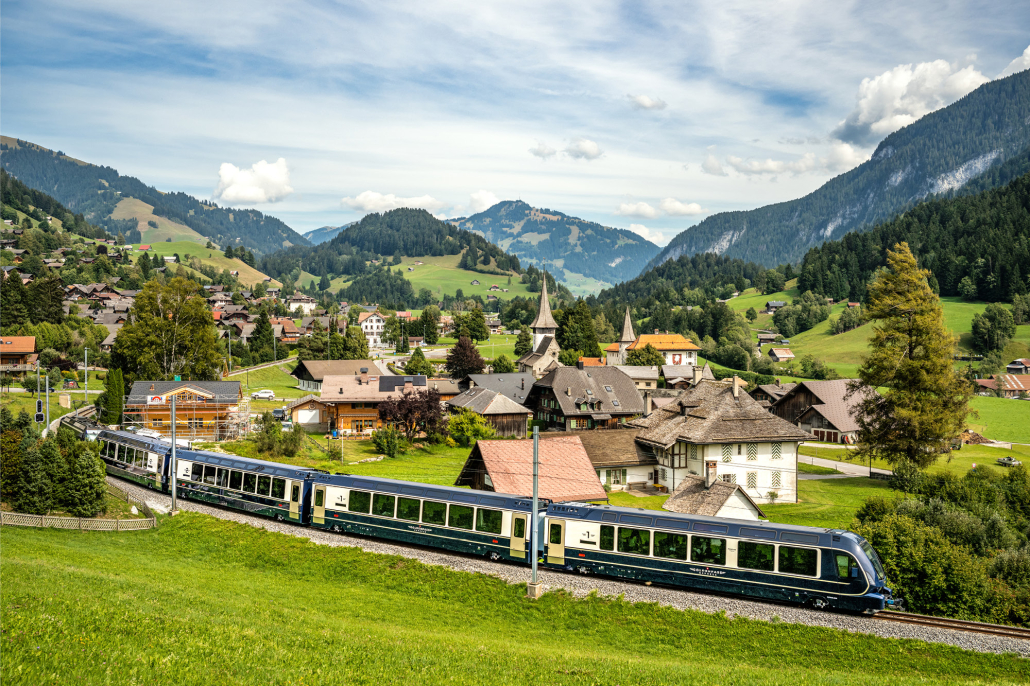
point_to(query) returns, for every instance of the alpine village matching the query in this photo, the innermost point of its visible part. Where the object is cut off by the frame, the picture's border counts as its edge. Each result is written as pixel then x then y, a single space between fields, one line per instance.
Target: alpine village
pixel 778 435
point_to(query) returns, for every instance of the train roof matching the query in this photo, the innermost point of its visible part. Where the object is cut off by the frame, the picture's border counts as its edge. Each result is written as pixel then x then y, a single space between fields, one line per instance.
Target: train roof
pixel 736 528
pixel 136 441
pixel 246 463
pixel 421 490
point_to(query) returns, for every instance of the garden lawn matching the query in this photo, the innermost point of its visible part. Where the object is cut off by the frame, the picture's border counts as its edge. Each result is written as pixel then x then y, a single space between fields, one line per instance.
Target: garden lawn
pixel 202 601
pixel 16 402
pixel 829 503
pixel 957 461
pixel 490 349
pixel 1001 419
pixel 273 378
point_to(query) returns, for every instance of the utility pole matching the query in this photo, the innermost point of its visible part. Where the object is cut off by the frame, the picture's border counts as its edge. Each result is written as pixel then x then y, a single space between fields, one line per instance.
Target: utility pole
pixel 48 401
pixel 533 589
pixel 173 477
pixel 85 351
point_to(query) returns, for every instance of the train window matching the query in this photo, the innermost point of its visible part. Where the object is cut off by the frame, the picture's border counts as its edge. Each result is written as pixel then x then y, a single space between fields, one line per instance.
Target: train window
pixel 673 546
pixel 460 517
pixel 434 513
pixel 209 474
pixel 235 480
pixel 709 551
pixel 758 556
pixel 383 505
pixel 555 536
pixel 635 541
pixel 264 484
pixel 223 478
pixel 319 496
pixel 847 568
pixel 607 537
pixel 488 521
pixel 408 508
pixel 360 501
pixel 798 560
pixel 518 528
pixel 198 471
pixel 250 482
pixel 295 494
pixel 279 488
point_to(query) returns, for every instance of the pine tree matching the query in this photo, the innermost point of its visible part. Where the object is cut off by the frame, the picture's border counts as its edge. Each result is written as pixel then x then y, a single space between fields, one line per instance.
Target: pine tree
pixel 33 493
pixel 524 343
pixel 418 364
pixel 476 323
pixel 428 321
pixel 56 467
pixel 323 283
pixel 229 252
pixel 46 296
pixel 84 491
pixel 14 299
pixel 261 341
pixel 145 268
pixel 464 359
pixel 115 397
pixel 925 404
pixel 355 345
pixel 503 365
pixel 403 345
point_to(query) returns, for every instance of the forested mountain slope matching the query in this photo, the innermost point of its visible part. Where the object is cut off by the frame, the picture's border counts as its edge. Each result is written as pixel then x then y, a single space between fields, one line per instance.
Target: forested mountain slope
pixel 94 192
pixel 939 154
pixel 976 246
pixel 556 241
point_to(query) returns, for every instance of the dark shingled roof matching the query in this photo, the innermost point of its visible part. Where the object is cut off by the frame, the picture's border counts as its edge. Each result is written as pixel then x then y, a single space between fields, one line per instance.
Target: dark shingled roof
pixel 515 386
pixel 691 497
pixel 832 405
pixel 597 380
pixel 709 413
pixel 777 391
pixel 534 355
pixel 223 391
pixel 486 402
pixel 615 448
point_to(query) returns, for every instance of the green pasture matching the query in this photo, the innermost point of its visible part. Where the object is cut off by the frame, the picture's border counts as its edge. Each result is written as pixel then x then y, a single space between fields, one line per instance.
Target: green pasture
pixel 1001 419
pixel 209 256
pixel 133 208
pixel 274 378
pixel 201 600
pixel 16 402
pixel 957 462
pixel 490 349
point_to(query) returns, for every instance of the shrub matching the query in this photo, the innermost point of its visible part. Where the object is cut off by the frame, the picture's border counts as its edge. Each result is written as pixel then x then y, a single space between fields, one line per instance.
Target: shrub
pixel 388 441
pixel 466 427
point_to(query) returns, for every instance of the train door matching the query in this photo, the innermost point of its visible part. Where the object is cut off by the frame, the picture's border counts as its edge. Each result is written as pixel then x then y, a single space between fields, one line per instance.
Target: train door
pixel 318 515
pixel 296 488
pixel 518 536
pixel 556 542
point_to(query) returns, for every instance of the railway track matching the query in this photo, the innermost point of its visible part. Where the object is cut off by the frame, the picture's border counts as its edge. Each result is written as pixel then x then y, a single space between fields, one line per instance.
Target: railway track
pixel 954 624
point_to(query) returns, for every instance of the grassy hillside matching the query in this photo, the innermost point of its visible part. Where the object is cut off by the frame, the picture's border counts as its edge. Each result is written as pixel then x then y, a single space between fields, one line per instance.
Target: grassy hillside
pixel 441 275
pixel 268 608
pixel 211 256
pixel 131 208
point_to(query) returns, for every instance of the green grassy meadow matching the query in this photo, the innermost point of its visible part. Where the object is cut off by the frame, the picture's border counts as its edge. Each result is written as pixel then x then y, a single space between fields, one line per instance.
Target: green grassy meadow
pixel 497 345
pixel 209 256
pixel 830 503
pixel 1001 419
pixel 957 461
pixel 201 600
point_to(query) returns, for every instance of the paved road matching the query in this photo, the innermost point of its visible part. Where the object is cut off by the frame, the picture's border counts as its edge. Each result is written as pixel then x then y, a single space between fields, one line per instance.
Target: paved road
pixel 847 469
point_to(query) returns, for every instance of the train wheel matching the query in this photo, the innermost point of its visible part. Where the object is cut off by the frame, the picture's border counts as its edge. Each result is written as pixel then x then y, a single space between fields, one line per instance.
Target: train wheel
pixel 819 603
pixel 337 529
pixel 278 518
pixel 493 556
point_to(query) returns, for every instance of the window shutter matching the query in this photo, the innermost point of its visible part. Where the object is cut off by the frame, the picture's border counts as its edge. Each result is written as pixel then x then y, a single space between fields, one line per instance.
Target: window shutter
pixel 752 452
pixel 726 452
pixel 608 476
pixel 777 451
pixel 623 476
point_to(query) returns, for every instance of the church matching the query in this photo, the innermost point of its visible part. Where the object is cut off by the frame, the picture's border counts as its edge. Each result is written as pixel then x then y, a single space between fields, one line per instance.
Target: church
pixel 543 357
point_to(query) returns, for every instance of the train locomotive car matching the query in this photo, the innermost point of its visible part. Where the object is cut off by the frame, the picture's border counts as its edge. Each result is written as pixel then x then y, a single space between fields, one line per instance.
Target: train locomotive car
pixel 495 525
pixel 823 568
pixel 135 458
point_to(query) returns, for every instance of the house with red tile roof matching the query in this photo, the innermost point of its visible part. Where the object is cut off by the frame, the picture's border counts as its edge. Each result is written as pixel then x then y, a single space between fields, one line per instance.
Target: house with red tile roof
pixel 17 353
pixel 676 349
pixel 565 472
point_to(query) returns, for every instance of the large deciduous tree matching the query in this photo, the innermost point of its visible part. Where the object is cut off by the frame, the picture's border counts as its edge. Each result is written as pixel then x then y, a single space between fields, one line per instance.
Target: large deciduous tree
pixel 464 359
pixel 170 332
pixel 415 412
pixel 648 356
pixel 924 403
pixel 993 329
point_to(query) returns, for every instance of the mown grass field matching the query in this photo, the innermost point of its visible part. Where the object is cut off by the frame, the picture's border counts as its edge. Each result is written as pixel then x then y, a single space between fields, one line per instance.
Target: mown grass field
pixel 957 462
pixel 209 256
pixel 276 378
pixel 203 601
pixel 1001 419
pixel 133 208
pixel 497 345
pixel 830 503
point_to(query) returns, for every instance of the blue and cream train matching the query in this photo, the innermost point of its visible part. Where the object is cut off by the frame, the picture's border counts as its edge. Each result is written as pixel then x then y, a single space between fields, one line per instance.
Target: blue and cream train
pixel 824 568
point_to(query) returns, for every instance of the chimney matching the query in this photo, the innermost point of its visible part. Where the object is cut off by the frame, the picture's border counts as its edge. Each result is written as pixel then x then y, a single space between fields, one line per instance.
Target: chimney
pixel 710 472
pixel 364 376
pixel 737 384
pixel 697 375
pixel 579 364
pixel 647 403
pixel 568 391
pixel 523 383
pixel 683 410
pixel 656 332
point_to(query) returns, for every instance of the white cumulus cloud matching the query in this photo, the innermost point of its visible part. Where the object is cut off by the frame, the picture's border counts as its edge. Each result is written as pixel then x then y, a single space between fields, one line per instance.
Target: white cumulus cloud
pixel 843 157
pixel 898 97
pixel 482 200
pixel 749 167
pixel 675 208
pixel 263 182
pixel 645 102
pixel 712 166
pixel 636 209
pixel 542 150
pixel 583 149
pixel 1017 65
pixel 370 201
pixel 656 237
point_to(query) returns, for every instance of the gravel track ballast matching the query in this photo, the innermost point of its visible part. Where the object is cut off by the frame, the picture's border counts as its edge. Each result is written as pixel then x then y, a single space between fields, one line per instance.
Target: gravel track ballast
pixel 582 585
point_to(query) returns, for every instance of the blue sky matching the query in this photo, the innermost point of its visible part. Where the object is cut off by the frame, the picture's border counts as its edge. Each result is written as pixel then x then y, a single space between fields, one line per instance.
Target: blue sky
pixel 642 115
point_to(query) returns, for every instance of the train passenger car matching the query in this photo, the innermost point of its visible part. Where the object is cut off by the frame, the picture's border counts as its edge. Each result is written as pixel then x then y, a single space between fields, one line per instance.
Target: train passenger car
pixel 496 525
pixel 825 568
pixel 136 458
pixel 253 486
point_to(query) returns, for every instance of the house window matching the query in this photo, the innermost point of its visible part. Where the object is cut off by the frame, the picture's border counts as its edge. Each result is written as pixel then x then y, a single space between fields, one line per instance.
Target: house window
pixel 752 452
pixel 738 448
pixel 752 479
pixel 726 453
pixel 777 479
pixel 664 476
pixel 777 451
pixel 693 452
pixel 729 478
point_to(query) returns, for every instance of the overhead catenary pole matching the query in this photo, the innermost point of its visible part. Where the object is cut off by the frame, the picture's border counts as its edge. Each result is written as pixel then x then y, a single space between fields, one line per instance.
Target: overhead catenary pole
pixel 85 351
pixel 175 471
pixel 48 402
pixel 533 589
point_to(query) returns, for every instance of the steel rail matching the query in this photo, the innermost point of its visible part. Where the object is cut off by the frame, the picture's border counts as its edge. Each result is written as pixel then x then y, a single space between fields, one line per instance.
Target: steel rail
pixel 953 624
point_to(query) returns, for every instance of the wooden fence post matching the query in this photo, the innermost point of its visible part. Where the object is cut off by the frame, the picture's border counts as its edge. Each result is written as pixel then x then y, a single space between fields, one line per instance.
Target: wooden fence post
pixel 117 525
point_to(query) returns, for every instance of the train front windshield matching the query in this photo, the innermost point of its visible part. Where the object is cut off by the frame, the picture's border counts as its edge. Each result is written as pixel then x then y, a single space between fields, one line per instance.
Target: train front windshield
pixel 874 558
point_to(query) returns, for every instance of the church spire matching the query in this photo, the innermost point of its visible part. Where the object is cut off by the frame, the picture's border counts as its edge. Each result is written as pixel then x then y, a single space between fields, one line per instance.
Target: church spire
pixel 544 320
pixel 627 329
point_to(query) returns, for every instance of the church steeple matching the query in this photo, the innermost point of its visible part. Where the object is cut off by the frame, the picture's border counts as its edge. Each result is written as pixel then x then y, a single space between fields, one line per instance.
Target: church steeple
pixel 627 329
pixel 544 324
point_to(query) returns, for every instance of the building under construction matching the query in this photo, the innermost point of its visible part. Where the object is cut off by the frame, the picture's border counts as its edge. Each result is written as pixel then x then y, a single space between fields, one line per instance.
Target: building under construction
pixel 204 410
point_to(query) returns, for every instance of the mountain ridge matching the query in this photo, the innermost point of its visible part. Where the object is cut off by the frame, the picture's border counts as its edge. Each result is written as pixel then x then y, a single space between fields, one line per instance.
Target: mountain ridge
pixel 938 154
pixel 325 233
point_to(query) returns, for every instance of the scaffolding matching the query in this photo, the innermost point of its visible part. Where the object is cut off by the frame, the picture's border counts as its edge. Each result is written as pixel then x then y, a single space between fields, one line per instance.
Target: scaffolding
pixel 196 419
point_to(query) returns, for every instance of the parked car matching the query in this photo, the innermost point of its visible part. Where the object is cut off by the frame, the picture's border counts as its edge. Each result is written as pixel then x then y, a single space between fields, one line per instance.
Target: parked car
pixel 1009 461
pixel 287 426
pixel 266 394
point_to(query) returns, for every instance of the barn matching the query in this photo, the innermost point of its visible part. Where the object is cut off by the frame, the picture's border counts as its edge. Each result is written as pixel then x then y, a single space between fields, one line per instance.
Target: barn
pixel 506 416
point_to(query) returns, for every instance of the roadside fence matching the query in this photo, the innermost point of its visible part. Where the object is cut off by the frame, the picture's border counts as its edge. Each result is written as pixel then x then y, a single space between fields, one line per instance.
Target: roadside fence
pixel 46 521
